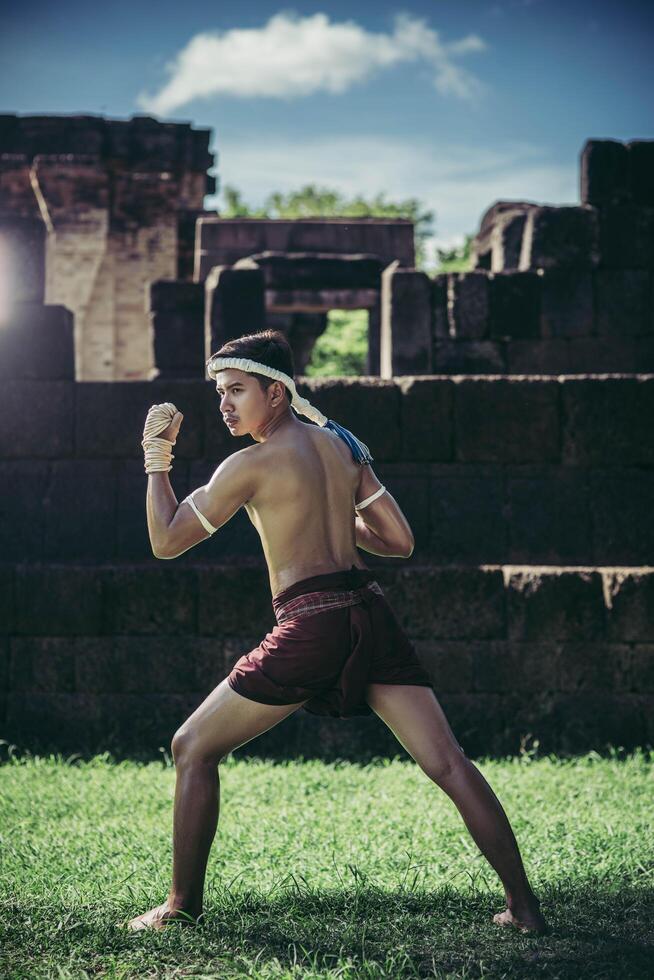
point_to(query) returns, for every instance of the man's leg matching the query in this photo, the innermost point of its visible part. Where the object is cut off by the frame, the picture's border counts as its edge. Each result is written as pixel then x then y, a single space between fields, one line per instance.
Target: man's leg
pixel 417 720
pixel 224 721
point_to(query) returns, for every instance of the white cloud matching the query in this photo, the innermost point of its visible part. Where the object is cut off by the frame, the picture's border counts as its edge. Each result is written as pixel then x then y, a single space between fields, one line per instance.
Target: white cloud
pixel 456 181
pixel 292 57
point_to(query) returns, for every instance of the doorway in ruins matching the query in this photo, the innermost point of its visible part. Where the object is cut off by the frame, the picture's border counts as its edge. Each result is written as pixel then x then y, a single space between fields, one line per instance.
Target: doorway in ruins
pixel 333 342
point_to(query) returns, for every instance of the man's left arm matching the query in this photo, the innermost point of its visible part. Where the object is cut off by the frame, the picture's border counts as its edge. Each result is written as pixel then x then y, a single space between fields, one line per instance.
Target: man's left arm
pixel 173 528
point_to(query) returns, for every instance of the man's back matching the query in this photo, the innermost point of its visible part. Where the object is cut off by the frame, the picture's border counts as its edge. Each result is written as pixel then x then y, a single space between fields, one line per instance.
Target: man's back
pixel 303 506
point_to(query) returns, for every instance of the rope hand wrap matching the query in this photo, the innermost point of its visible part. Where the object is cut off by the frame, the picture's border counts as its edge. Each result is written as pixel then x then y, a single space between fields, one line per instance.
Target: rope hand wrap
pixel 157 451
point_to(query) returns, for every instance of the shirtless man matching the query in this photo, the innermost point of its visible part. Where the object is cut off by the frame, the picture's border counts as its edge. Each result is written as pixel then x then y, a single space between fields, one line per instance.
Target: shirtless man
pixel 299 484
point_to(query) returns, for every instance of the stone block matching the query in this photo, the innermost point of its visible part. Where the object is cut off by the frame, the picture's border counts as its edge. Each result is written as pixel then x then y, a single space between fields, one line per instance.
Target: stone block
pixel 439 311
pixel 627 236
pixel 610 355
pixel 37 419
pixel 608 423
pixel 468 357
pixel 594 667
pixel 426 418
pixel 109 417
pixel 4 665
pixel 178 340
pixel 406 317
pixel 548 515
pixel 630 605
pixel 231 598
pixel 506 240
pixel 604 173
pixel 454 603
pixel 234 305
pixel 560 237
pixel 58 600
pixel 21 512
pixel 6 600
pixel 22 241
pixel 641 674
pixel 42 663
pixel 506 667
pixel 68 721
pixel 623 302
pixel 316 270
pixel 448 663
pixel 147 664
pixel 368 406
pixel 622 515
pixel 151 601
pixel 558 605
pixel 566 303
pixel 641 171
pixel 506 421
pixel 597 720
pixel 467 518
pixel 79 510
pixel 37 343
pixel 514 304
pixel 490 246
pixel 468 304
pixel 134 722
pixel 176 296
pixel 538 356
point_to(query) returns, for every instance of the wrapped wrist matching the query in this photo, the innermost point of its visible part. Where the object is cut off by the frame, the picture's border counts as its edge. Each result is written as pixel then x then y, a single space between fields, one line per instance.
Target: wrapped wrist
pixel 158 455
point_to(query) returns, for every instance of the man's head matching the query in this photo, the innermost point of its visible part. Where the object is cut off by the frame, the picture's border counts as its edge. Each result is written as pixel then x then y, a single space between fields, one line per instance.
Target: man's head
pixel 252 399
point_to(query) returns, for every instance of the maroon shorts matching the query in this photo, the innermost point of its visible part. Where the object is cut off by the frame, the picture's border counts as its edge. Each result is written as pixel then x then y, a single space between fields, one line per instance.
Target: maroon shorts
pixel 335 634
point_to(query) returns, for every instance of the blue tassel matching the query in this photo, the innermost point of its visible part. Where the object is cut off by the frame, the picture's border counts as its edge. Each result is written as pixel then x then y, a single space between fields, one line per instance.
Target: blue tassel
pixel 359 450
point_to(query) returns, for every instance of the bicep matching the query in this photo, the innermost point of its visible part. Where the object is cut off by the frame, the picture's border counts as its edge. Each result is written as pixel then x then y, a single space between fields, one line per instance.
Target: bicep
pixel 215 504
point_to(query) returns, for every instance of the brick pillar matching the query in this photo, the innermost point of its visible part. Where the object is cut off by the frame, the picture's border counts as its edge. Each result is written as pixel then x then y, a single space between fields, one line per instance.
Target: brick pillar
pixel 177 318
pixel 234 305
pixel 406 343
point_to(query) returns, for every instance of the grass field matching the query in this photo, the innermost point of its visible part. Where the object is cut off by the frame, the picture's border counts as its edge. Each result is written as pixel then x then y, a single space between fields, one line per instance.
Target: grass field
pixel 326 870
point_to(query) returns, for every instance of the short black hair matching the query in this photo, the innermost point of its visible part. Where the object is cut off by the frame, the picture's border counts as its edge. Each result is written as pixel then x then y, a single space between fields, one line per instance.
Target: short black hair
pixel 270 347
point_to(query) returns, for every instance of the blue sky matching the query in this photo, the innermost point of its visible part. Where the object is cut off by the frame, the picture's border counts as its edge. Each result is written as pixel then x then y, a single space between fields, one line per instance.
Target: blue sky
pixel 456 103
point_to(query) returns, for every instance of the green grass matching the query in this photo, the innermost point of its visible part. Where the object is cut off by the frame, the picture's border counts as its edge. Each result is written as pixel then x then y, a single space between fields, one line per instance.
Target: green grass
pixel 326 870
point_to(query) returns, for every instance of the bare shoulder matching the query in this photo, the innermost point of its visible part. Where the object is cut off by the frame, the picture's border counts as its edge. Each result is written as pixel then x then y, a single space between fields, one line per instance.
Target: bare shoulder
pixel 241 468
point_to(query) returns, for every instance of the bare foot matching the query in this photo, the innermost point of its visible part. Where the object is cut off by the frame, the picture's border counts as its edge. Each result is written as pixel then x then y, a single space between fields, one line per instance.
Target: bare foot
pixel 526 919
pixel 160 917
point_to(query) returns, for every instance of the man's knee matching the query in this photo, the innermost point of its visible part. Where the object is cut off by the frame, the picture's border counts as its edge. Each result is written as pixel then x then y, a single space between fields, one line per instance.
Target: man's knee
pixel 187 747
pixel 441 768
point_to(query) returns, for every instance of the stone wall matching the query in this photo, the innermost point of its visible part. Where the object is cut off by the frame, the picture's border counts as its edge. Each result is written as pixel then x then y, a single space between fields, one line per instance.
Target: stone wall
pixel 530 594
pixel 112 196
pixel 552 471
pixel 528 597
pixel 554 289
pixel 96 658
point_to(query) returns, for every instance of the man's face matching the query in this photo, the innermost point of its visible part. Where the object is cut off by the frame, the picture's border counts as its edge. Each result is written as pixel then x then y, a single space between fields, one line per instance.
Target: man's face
pixel 242 399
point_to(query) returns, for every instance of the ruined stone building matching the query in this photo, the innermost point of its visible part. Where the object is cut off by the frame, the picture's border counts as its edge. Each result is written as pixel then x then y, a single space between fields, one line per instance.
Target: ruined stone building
pixel 509 410
pixel 91 211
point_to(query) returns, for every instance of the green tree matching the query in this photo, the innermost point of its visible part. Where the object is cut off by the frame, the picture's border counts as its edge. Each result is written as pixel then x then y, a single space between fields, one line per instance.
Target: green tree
pixel 457 259
pixel 312 201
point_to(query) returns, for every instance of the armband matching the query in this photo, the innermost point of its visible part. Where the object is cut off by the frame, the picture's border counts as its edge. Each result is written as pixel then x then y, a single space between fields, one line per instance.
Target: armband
pixel 369 500
pixel 203 521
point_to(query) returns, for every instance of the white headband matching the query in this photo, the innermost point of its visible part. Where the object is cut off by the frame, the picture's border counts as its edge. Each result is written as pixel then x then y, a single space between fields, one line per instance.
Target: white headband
pixel 302 406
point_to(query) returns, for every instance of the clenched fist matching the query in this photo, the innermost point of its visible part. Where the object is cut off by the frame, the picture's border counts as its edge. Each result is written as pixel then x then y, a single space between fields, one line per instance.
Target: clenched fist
pixel 163 421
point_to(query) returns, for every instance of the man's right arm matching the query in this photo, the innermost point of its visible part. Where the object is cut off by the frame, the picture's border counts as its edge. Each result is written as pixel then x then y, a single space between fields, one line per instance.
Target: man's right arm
pixel 381 528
